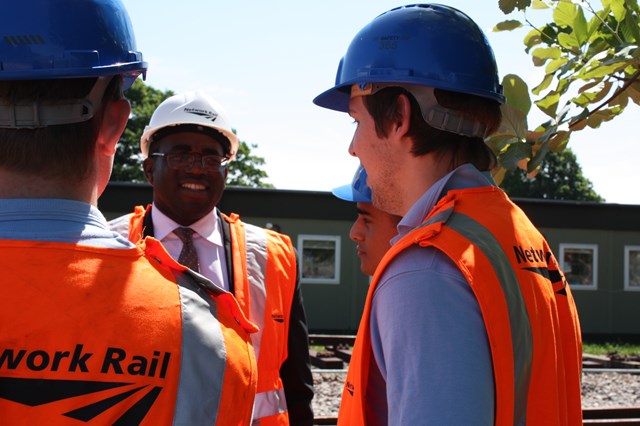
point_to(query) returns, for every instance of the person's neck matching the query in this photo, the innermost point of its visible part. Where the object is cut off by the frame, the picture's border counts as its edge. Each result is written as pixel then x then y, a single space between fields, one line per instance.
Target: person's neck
pixel 20 185
pixel 424 172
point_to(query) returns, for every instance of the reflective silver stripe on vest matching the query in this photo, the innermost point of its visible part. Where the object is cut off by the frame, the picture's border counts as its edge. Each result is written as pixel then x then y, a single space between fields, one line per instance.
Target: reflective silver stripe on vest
pixel 521 337
pixel 268 404
pixel 256 246
pixel 203 357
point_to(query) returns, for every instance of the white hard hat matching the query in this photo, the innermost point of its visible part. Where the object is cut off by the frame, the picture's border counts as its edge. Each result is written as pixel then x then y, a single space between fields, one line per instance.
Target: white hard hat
pixel 196 109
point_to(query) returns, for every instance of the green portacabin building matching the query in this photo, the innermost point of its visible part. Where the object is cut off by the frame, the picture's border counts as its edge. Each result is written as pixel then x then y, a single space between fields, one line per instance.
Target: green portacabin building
pixel 597 245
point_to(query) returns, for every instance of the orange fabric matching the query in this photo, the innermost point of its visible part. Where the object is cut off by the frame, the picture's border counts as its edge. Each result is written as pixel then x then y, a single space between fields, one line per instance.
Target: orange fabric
pixel 554 393
pixel 233 395
pixel 87 314
pixel 280 286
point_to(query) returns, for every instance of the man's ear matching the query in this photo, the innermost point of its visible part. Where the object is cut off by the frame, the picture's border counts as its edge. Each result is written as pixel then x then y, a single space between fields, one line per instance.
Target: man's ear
pixel 402 124
pixel 147 168
pixel 114 120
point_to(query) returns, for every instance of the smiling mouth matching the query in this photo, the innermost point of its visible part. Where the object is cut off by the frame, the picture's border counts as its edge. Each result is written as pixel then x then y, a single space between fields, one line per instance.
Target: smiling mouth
pixel 193 186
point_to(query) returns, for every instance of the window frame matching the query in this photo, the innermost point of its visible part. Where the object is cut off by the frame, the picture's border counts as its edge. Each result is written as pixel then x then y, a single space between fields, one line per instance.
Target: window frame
pixel 337 239
pixel 627 267
pixel 564 247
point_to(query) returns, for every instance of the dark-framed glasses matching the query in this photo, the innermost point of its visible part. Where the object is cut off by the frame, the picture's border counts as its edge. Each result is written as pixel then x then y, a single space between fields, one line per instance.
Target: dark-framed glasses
pixel 186 160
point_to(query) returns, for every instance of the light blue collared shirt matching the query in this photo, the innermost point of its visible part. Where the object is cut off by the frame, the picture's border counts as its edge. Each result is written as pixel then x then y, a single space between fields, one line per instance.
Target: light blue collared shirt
pixel 428 336
pixel 57 220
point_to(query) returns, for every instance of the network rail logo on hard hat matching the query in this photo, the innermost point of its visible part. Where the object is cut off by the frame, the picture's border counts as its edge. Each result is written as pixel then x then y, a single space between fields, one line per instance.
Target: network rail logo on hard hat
pixel 209 115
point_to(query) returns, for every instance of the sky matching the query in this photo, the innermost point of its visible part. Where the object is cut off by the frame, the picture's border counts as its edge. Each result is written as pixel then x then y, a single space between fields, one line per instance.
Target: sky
pixel 265 61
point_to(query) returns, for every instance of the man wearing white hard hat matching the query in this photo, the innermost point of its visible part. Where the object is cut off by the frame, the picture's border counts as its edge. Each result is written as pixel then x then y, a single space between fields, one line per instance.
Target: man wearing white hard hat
pixel 188 145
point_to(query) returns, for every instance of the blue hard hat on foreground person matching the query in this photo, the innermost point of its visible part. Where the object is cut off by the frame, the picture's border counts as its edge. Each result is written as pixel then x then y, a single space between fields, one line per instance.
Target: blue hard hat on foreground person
pixel 468 318
pixel 93 328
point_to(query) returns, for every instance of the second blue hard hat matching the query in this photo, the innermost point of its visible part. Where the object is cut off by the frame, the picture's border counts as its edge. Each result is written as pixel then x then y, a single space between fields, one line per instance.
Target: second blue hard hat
pixel 424 44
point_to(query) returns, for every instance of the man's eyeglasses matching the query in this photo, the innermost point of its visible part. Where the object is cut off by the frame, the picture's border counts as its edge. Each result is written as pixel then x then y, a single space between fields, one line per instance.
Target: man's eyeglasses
pixel 186 160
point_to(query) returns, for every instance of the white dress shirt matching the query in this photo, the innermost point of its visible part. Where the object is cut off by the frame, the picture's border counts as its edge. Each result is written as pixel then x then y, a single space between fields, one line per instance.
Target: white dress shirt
pixel 207 239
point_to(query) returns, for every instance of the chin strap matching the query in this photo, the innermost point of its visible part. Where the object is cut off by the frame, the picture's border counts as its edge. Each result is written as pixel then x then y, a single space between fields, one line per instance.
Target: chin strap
pixel 34 114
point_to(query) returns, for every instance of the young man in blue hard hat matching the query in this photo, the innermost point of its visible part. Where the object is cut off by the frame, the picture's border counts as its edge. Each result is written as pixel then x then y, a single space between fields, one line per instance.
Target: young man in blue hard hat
pixel 468 319
pixel 188 145
pixel 373 229
pixel 94 329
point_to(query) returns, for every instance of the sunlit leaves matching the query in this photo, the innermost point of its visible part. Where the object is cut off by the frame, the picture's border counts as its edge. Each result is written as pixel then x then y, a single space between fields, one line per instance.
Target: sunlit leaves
pixel 509 25
pixel 591 63
pixel 508 6
pixel 516 90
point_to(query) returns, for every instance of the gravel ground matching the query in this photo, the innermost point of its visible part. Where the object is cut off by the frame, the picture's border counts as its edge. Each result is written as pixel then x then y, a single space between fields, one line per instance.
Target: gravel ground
pixel 598 390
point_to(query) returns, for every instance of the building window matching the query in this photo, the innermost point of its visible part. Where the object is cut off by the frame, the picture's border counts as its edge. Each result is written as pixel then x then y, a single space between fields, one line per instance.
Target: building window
pixel 320 258
pixel 632 268
pixel 579 262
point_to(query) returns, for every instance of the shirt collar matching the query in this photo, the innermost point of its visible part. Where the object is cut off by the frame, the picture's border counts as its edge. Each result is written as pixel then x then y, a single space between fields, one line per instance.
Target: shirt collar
pixel 208 227
pixel 465 176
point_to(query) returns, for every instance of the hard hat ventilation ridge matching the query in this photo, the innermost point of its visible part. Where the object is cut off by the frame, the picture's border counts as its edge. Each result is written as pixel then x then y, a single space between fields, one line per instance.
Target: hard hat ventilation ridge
pixel 21 40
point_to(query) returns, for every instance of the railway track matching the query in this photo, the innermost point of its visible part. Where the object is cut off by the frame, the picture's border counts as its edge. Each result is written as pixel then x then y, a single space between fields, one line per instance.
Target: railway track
pixel 336 353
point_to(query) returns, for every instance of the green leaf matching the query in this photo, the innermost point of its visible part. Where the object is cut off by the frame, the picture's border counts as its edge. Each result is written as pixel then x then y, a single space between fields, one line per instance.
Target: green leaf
pixel 549 104
pixel 629 29
pixel 539 5
pixel 508 25
pixel 515 153
pixel 546 82
pixel 514 122
pixel 569 42
pixel 617 7
pixel 555 65
pixel 599 70
pixel 634 92
pixel 517 92
pixel 542 54
pixel 533 38
pixel 579 121
pixel 559 140
pixel 596 119
pixel 499 142
pixel 538 157
pixel 508 6
pixel 580 27
pixel 565 13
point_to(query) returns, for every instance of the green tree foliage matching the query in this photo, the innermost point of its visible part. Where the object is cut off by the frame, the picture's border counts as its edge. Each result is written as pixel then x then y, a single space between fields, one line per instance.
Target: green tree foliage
pixel 559 178
pixel 591 62
pixel 127 166
pixel 244 170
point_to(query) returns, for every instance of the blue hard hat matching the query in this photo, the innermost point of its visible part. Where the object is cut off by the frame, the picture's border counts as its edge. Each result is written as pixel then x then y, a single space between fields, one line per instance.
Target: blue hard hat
pixel 423 44
pixel 357 190
pixel 52 39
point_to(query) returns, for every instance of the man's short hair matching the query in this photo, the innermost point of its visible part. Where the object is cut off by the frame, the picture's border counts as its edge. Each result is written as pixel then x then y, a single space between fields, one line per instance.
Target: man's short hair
pixel 382 106
pixel 58 151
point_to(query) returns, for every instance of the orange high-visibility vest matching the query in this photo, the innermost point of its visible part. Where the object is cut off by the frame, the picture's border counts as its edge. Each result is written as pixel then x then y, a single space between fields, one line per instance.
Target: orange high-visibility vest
pixel 527 307
pixel 264 282
pixel 118 336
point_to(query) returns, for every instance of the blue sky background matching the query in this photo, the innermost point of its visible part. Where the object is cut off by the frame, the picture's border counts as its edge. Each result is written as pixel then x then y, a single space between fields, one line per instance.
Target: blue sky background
pixel 265 61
